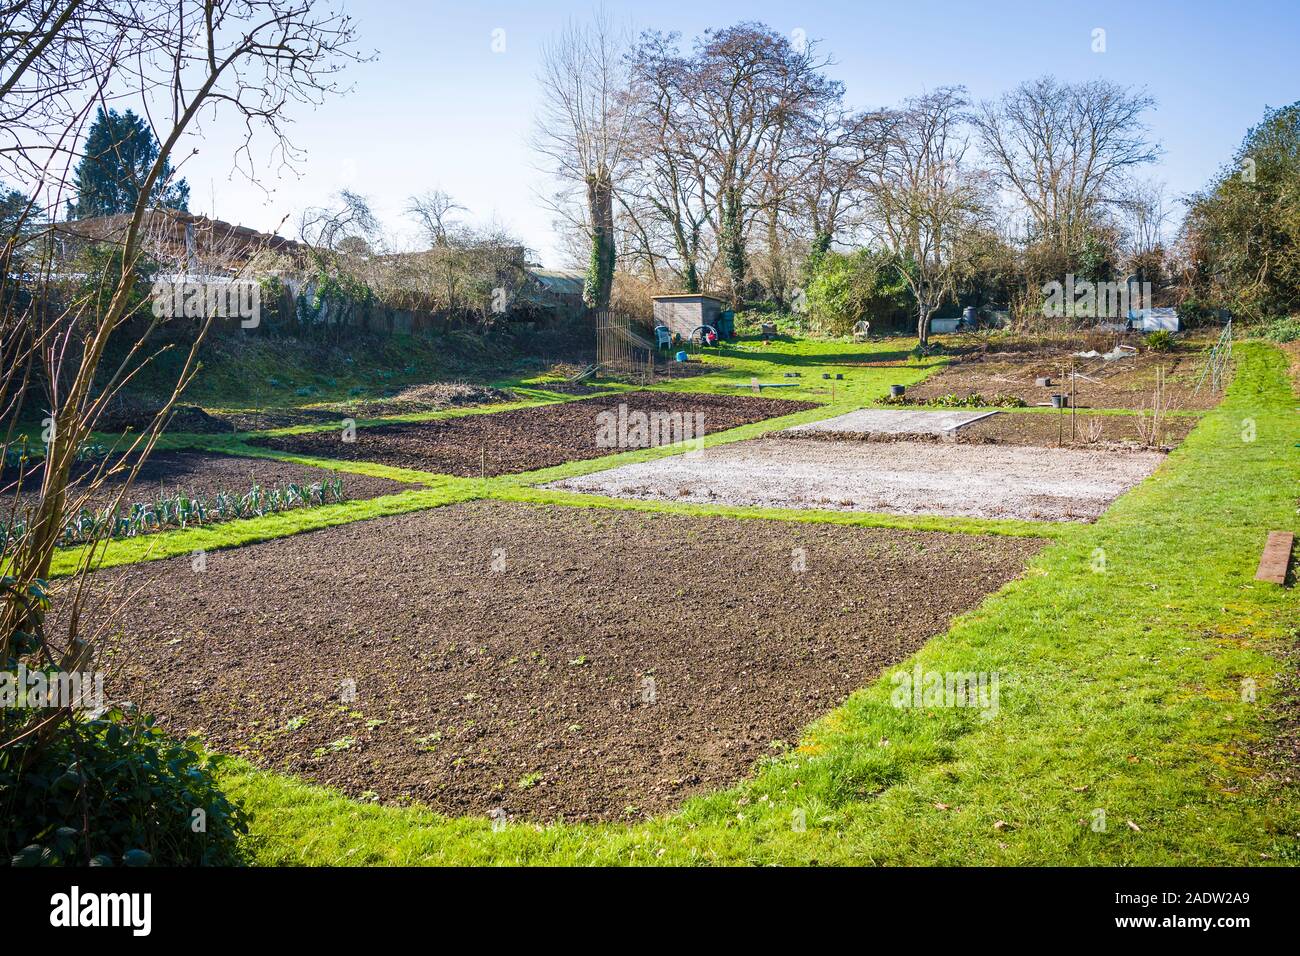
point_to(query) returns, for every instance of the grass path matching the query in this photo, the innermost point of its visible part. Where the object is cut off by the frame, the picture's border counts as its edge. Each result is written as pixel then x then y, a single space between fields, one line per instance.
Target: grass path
pixel 1124 732
pixel 859 387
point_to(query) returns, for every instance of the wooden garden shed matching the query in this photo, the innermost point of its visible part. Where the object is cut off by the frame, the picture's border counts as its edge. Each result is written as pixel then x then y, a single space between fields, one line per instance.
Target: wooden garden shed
pixel 685 312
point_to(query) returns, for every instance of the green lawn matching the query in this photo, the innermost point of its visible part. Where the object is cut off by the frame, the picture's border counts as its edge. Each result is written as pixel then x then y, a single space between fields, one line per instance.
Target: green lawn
pixel 1122 656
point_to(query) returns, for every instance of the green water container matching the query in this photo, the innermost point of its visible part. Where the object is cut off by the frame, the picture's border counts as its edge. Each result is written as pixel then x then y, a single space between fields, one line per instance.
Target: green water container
pixel 727 324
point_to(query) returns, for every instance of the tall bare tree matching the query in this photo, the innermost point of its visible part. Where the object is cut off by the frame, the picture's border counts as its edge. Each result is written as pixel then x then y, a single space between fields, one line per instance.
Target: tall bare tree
pixel 837 153
pixel 433 213
pixel 748 87
pixel 582 131
pixel 665 198
pixel 1064 149
pixel 927 203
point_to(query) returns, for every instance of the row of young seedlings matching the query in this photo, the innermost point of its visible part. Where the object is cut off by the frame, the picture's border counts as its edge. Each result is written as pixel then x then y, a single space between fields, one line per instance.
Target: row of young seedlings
pixel 182 511
pixel 21 452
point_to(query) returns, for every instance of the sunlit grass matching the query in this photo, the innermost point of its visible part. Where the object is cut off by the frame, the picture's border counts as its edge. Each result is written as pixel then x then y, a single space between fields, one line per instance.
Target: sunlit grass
pixel 1124 654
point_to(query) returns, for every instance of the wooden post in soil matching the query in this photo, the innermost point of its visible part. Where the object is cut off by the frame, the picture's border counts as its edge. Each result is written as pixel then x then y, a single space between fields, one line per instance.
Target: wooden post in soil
pixel 1072 378
pixel 1060 425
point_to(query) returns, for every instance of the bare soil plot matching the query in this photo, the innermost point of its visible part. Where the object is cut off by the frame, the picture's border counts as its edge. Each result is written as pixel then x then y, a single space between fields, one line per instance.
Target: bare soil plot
pixel 1123 383
pixel 937 478
pixel 878 422
pixel 1082 430
pixel 411 400
pixel 503 443
pixel 617 663
pixel 1047 430
pixel 205 475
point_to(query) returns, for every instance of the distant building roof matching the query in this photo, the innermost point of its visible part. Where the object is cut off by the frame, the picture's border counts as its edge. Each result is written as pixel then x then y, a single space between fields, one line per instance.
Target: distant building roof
pixel 560 281
pixel 182 236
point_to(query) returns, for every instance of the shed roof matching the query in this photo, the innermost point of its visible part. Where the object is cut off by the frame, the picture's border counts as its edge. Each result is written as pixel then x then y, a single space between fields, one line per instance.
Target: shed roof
pixel 686 295
pixel 560 281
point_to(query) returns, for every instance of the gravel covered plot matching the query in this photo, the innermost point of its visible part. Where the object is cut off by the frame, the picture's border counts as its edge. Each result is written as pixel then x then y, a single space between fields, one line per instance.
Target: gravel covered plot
pixel 206 474
pixel 1124 383
pixel 504 443
pixel 612 665
pixel 977 481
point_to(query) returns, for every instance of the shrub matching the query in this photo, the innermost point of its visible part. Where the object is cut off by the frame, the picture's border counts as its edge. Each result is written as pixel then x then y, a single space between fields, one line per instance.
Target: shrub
pixel 1161 340
pixel 1282 330
pixel 118 791
pixel 866 284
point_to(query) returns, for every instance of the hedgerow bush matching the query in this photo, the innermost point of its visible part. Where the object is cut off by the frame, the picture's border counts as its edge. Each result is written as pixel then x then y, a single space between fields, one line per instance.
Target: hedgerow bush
pixel 1282 330
pixel 117 791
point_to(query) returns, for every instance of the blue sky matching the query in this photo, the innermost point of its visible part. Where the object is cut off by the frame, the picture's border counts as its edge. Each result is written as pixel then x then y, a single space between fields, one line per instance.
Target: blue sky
pixel 439 108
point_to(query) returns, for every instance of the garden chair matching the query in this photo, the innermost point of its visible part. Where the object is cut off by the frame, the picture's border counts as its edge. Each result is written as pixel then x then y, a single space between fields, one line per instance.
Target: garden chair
pixel 663 337
pixel 861 331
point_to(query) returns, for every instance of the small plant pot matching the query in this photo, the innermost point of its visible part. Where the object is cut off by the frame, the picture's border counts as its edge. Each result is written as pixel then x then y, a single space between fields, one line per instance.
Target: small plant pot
pixel 839 376
pixel 826 375
pixel 896 391
pixel 1060 401
pixel 1043 381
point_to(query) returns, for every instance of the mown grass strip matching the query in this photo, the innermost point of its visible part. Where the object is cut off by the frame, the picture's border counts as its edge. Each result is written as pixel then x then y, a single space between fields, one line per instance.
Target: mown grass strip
pixel 234 534
pixel 1124 733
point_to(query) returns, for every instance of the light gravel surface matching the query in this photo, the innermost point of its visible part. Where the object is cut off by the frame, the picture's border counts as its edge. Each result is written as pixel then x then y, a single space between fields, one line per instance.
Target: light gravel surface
pixel 915 478
pixel 888 421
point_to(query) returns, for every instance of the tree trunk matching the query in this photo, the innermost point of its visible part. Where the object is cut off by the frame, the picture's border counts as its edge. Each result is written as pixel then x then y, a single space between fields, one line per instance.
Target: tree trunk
pixel 733 242
pixel 692 277
pixel 600 270
pixel 923 313
pixel 777 276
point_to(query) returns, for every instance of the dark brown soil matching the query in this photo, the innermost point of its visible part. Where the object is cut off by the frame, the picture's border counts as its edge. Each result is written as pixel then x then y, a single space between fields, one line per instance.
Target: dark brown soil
pixel 1049 430
pixel 503 443
pixel 1117 432
pixel 1124 383
pixel 615 664
pixel 202 474
pixel 407 401
pixel 125 413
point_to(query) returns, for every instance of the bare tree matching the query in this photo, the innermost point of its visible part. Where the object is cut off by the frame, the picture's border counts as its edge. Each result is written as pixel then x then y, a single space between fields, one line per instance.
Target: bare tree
pixel 582 131
pixel 665 197
pixel 749 86
pixel 180 61
pixel 927 203
pixel 838 151
pixel 328 228
pixel 432 212
pixel 1063 149
pixel 1145 210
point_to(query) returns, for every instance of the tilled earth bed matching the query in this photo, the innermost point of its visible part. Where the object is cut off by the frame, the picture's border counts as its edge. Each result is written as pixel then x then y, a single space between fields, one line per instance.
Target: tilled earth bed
pixel 1048 430
pixel 526 439
pixel 407 401
pixel 1117 432
pixel 553 662
pixel 201 475
pixel 1124 383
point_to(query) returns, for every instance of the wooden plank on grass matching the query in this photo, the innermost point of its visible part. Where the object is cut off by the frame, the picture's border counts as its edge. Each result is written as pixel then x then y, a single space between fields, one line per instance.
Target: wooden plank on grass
pixel 1277 554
